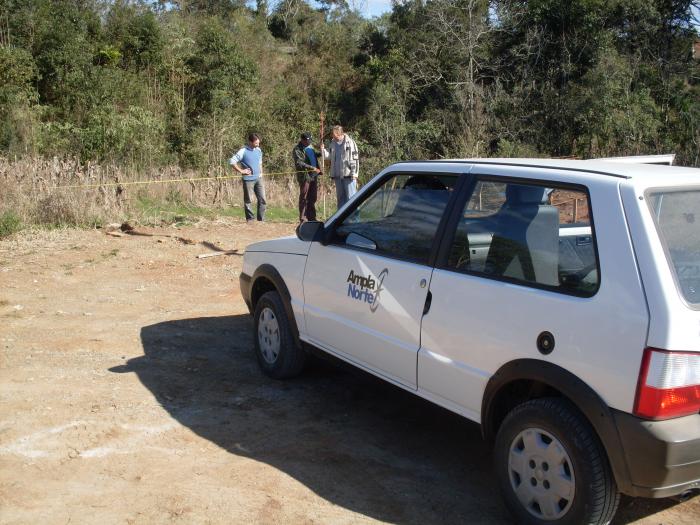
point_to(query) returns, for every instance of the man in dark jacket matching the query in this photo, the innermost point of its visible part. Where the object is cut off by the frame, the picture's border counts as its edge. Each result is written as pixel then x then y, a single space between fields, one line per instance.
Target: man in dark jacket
pixel 306 162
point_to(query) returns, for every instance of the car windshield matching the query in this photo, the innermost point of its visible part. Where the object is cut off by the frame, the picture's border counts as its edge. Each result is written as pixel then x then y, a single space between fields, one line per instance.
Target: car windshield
pixel 677 216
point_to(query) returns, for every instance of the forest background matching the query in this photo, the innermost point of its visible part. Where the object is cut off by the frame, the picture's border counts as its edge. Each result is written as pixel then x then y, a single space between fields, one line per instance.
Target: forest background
pixel 105 92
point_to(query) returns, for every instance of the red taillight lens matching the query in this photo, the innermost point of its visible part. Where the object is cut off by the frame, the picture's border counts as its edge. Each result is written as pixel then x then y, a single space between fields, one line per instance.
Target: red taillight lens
pixel 669 384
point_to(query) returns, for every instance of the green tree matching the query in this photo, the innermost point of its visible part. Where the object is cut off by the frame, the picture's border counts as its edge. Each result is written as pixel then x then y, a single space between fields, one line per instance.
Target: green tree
pixel 135 32
pixel 18 119
pixel 220 72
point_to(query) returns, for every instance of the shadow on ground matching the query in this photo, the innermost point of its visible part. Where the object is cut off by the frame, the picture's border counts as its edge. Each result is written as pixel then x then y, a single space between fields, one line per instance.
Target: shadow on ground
pixel 352 439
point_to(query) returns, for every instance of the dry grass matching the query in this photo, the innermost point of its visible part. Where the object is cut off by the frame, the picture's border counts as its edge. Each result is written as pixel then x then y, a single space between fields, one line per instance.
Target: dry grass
pixel 37 192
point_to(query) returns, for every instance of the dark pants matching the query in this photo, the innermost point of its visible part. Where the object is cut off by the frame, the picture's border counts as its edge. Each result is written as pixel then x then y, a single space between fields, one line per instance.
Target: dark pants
pixel 308 193
pixel 256 187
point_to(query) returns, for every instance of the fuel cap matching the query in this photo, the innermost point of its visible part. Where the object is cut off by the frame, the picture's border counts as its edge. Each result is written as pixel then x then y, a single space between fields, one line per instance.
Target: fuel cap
pixel 545 343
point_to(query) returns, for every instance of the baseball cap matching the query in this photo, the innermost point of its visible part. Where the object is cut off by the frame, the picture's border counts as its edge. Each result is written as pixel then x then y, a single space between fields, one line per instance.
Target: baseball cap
pixel 306 136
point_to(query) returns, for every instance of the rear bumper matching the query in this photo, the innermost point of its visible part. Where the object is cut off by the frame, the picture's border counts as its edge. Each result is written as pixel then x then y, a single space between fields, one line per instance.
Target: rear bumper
pixel 244 279
pixel 663 457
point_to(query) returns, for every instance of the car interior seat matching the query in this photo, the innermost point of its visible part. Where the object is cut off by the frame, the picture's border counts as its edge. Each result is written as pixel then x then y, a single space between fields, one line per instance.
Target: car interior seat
pixel 525 243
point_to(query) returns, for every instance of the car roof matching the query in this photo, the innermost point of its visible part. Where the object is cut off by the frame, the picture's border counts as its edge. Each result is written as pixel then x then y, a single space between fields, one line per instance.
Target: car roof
pixel 646 175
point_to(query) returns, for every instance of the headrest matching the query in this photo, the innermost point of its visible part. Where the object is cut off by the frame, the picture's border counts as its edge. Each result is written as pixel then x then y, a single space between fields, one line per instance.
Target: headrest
pixel 519 194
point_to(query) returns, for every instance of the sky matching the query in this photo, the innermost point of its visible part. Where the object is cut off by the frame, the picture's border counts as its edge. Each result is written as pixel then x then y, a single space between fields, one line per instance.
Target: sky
pixel 377 7
pixel 368 8
pixel 374 7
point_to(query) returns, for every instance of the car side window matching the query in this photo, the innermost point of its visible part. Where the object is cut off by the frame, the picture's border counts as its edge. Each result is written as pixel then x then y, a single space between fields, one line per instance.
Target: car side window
pixel 531 234
pixel 400 218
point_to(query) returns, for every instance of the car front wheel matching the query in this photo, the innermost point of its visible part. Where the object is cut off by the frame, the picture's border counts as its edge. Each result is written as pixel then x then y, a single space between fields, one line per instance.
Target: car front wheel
pixel 551 466
pixel 277 352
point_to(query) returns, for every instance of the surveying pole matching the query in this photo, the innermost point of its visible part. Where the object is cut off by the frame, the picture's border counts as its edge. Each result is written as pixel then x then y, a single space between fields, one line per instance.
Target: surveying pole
pixel 323 166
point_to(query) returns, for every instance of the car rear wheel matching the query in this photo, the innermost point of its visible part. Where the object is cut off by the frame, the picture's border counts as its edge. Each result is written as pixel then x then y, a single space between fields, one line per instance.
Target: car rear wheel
pixel 278 354
pixel 551 466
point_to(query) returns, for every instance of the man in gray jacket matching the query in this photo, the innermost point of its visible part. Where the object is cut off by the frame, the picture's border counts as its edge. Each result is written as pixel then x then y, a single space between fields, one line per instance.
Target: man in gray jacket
pixel 345 165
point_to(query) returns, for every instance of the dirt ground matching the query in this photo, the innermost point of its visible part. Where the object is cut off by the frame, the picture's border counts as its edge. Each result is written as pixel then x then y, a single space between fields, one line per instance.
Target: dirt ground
pixel 129 393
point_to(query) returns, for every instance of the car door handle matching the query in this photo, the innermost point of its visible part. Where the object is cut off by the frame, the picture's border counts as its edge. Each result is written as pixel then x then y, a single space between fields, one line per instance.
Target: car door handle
pixel 428 302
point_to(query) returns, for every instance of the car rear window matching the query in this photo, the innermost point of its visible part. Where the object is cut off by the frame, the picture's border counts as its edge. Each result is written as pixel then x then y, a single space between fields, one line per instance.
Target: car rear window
pixel 677 216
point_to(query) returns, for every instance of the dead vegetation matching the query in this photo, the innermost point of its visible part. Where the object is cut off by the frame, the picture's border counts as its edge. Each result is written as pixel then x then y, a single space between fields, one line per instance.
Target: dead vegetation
pixel 64 192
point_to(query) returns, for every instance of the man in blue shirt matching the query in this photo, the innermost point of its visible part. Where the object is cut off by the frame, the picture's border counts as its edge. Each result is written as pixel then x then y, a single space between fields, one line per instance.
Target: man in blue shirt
pixel 248 162
pixel 306 162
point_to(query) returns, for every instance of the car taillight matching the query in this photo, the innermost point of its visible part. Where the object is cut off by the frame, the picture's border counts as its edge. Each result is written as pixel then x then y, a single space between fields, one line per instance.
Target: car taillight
pixel 669 384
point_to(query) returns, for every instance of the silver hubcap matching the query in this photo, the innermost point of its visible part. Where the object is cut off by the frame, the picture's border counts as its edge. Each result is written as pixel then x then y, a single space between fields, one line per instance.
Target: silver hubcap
pixel 269 335
pixel 541 474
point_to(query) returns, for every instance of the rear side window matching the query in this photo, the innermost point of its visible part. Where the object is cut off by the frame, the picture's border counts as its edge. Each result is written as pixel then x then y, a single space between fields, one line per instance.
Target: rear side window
pixel 534 235
pixel 677 217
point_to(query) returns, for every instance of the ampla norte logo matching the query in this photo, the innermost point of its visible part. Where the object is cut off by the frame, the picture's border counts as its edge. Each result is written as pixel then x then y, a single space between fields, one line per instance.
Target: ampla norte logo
pixel 367 289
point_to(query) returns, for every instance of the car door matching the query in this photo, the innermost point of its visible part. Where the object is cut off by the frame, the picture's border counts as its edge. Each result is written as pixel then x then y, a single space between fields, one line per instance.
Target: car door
pixel 365 286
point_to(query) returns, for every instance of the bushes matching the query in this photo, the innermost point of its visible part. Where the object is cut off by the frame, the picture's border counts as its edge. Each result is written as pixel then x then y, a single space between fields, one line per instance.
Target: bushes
pixel 17 96
pixel 57 210
pixel 136 85
pixel 9 223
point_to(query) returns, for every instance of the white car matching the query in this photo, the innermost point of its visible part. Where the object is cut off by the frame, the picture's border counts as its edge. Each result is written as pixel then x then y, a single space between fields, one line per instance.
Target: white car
pixel 556 303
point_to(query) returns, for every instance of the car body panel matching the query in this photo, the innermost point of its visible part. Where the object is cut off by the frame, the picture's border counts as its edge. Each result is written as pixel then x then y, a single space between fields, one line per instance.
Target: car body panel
pixel 674 324
pixel 476 324
pixel 378 326
pixel 291 245
pixel 290 268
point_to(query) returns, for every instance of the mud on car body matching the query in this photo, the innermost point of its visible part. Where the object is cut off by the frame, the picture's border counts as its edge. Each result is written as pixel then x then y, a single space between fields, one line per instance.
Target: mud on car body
pixel 555 303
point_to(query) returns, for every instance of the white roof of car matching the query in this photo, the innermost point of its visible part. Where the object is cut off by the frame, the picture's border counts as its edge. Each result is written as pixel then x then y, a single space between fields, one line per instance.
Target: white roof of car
pixel 643 174
pixel 667 159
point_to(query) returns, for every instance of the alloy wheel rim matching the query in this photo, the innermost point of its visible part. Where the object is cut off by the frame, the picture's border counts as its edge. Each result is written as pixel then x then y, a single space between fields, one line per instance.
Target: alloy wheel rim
pixel 541 474
pixel 269 335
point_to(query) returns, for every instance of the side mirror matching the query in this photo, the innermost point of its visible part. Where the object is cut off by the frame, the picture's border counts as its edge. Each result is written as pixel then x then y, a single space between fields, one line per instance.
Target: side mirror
pixel 309 231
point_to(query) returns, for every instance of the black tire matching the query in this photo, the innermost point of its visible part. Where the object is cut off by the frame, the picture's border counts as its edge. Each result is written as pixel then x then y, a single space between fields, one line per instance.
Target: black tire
pixel 595 495
pixel 289 359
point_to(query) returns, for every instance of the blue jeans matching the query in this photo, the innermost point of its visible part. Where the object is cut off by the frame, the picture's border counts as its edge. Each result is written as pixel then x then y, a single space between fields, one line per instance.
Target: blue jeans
pixel 345 188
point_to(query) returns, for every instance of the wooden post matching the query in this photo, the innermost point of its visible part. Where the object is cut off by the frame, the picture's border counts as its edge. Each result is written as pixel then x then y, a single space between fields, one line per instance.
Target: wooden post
pixel 575 210
pixel 323 166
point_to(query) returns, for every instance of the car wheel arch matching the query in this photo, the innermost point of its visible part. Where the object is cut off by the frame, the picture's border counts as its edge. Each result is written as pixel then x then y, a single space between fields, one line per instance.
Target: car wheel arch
pixel 267 278
pixel 523 379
